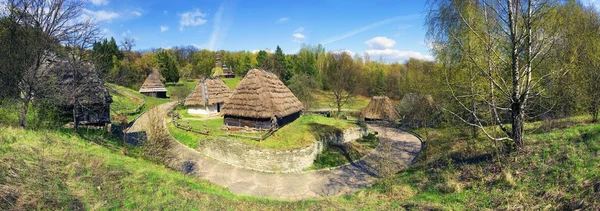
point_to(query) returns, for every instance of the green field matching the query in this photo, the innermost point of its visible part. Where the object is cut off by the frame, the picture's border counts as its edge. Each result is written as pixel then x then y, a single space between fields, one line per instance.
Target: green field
pixel 302 132
pixel 126 100
pixel 232 82
pixel 323 99
pixel 558 170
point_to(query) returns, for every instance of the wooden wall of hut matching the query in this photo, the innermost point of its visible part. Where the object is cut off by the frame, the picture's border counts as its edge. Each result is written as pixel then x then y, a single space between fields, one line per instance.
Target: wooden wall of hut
pixel 155 94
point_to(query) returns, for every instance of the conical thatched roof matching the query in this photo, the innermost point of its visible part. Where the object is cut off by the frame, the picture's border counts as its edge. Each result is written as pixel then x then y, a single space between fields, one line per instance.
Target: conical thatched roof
pixel 380 108
pixel 261 95
pixel 153 83
pixel 208 92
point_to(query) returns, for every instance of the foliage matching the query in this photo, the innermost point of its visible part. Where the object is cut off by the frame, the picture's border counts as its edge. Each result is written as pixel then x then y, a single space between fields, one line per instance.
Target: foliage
pixel 167 67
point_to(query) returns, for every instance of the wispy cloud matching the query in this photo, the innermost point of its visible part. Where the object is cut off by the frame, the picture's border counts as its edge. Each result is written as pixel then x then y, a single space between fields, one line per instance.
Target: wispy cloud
pixel 164 28
pixel 137 13
pixel 100 15
pixel 298 35
pixel 282 20
pixel 367 27
pixel 222 21
pixel 99 2
pixel 191 18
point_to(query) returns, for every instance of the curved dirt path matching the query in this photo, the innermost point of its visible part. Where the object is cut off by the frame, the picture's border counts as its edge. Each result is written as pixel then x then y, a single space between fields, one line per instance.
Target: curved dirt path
pixel 396 150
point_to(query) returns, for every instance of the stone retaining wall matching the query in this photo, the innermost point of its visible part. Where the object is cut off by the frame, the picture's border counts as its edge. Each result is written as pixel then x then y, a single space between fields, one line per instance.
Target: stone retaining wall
pixel 242 155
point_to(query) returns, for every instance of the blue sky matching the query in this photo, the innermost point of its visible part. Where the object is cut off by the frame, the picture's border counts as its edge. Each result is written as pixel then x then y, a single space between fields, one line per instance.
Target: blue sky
pixel 389 28
pixel 392 29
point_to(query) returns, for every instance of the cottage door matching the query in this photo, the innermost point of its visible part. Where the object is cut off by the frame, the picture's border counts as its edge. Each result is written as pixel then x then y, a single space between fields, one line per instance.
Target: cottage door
pixel 218 107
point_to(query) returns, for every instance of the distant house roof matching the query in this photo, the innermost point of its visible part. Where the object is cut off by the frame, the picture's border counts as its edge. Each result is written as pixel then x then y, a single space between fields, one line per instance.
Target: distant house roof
pixel 90 88
pixel 380 108
pixel 208 92
pixel 153 83
pixel 261 95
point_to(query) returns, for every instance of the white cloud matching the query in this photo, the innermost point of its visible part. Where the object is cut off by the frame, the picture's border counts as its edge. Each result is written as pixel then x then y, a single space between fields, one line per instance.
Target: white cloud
pixel 381 43
pixel 367 27
pixel 100 15
pixel 349 52
pixel 397 55
pixel 282 20
pixel 191 18
pixel 164 28
pixel 99 2
pixel 298 37
pixel 268 50
pixel 136 13
pixel 299 30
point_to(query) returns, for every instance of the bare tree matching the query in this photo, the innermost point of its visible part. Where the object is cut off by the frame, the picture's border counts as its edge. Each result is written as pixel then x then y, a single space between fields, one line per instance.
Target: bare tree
pixel 53 22
pixel 127 44
pixel 342 76
pixel 516 37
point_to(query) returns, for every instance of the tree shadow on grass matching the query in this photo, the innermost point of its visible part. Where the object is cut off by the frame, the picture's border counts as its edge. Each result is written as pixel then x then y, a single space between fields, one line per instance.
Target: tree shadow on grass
pixel 321 130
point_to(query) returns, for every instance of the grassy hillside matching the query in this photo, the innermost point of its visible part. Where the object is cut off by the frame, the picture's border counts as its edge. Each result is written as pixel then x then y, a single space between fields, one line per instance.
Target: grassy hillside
pixel 126 100
pixel 557 170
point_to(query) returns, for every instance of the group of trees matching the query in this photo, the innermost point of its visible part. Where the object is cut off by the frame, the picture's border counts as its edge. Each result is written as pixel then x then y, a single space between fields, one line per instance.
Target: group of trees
pixel 506 62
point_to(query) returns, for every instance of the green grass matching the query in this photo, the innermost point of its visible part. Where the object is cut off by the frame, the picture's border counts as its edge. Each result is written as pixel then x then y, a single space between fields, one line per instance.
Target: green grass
pixel 181 89
pixel 557 170
pixel 334 156
pixel 323 99
pixel 124 102
pixel 303 132
pixel 232 83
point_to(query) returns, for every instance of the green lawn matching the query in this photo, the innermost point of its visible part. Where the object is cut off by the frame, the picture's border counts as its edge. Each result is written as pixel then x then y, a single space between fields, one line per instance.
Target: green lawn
pixel 302 132
pixel 323 99
pixel 181 89
pixel 124 102
pixel 232 82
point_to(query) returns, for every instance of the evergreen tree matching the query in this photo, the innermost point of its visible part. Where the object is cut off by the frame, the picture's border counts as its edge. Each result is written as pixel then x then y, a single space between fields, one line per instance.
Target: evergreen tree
pixel 262 59
pixel 279 63
pixel 167 67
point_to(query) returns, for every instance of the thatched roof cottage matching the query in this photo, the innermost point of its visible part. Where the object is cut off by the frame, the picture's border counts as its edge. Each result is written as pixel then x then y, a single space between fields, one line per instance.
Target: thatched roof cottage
pixel 93 99
pixel 208 97
pixel 380 109
pixel 261 100
pixel 153 86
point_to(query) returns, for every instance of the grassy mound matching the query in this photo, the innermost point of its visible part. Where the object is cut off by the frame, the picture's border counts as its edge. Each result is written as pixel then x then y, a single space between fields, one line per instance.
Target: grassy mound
pixel 303 132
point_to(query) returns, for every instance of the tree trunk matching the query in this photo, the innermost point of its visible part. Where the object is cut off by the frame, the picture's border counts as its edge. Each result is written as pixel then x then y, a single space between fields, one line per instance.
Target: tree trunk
pixel 517 125
pixel 23 117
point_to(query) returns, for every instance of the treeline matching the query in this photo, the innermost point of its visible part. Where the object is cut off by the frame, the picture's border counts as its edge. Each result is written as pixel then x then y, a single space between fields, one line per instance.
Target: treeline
pixel 129 68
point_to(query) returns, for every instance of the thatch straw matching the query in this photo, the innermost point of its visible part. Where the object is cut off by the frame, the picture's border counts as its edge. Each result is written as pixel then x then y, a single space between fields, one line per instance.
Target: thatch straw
pixel 153 83
pixel 261 95
pixel 90 90
pixel 208 92
pixel 380 108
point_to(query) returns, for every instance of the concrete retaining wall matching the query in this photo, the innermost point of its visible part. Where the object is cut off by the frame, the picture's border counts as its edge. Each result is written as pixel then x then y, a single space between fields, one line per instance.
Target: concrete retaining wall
pixel 252 157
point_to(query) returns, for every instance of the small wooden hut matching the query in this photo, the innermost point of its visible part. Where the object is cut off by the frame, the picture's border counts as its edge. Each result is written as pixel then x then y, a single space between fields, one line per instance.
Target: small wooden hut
pixel 87 95
pixel 380 109
pixel 261 100
pixel 208 97
pixel 153 86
